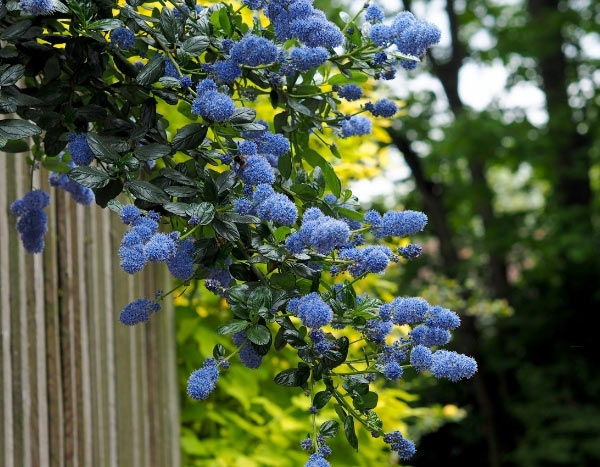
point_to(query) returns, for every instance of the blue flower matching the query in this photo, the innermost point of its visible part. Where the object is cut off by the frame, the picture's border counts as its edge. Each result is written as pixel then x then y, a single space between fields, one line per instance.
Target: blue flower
pixel 368 259
pixel 79 149
pixel 313 311
pixel 350 92
pixel 255 4
pixel 38 7
pixel 263 192
pixel 181 264
pixel 204 380
pixel 79 193
pixel 257 171
pixel 248 356
pixel 275 144
pixel 247 148
pixel 294 244
pixel 373 217
pixel 205 85
pixel 401 223
pixel 409 310
pixel 392 371
pixel 316 31
pixel 292 305
pixel 138 311
pixel 374 14
pixel 278 208
pixel 160 247
pixel 404 447
pixel 214 105
pixel 383 108
pixel 243 206
pixel 317 461
pixel 122 38
pixel 379 58
pixel 356 126
pixel 410 251
pixel 376 330
pixel 218 279
pixel 385 312
pixel 228 71
pixel 330 199
pixel 439 317
pixel 429 337
pixel 421 358
pixel 185 82
pixel 145 228
pixel 452 365
pixel 132 257
pixel 254 51
pixel 381 35
pixel 170 70
pixel 328 234
pixel 416 38
pixel 307 58
pixel 306 444
pixel 33 222
pixel 129 214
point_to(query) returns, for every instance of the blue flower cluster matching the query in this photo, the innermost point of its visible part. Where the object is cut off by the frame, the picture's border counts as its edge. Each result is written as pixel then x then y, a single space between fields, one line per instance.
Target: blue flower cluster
pixel 321 232
pixel 79 149
pixel 382 108
pixel 356 126
pixel 170 70
pixel 227 71
pixel 270 145
pixel 404 447
pixel 38 7
pixel 396 223
pixel 218 279
pixel 138 311
pixel 122 38
pixel 254 51
pixel 312 310
pixel 373 258
pixel 248 356
pixel 374 14
pixel 307 58
pixel 212 104
pixel 79 193
pixel 268 205
pixel 300 20
pixel 410 251
pixel 350 92
pixel 411 36
pixel 204 380
pixel 316 460
pixel 181 264
pixel 451 365
pixel 257 171
pixel 33 222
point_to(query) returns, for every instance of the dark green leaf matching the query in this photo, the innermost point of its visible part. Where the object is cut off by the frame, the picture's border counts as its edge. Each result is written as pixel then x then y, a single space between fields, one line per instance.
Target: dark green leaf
pixel 366 402
pixel 219 351
pixel 152 151
pixel 294 338
pixel 232 327
pixel 243 115
pixel 284 165
pixel 100 147
pixel 147 191
pixel 294 376
pixel 316 160
pixel 195 45
pixel 169 24
pixel 350 432
pixel 258 334
pixel 227 230
pixel 105 25
pixel 355 77
pixel 321 398
pixel 330 428
pixel 12 75
pixel 92 177
pixel 350 214
pixel 259 298
pixel 190 136
pixel 17 129
pixel 205 212
pixel 224 21
pixel 15 146
pixel 153 70
pixel 16 30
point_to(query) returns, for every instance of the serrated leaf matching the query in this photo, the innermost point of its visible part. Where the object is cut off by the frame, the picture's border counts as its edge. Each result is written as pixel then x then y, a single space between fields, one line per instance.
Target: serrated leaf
pixel 16 129
pixel 195 45
pixel 205 212
pixel 330 428
pixel 260 298
pixel 105 25
pixel 11 75
pixel 294 376
pixel 232 327
pixel 243 115
pixel 101 148
pixel 153 70
pixel 91 177
pixel 190 136
pixel 152 151
pixel 169 24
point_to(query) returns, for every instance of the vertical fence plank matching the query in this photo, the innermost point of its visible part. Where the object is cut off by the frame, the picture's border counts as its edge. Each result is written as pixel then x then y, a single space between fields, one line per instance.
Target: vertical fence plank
pixel 77 388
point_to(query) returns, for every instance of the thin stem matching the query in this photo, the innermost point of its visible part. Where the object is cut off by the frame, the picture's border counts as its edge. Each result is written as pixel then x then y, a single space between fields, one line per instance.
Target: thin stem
pixel 190 232
pixel 357 372
pixel 353 19
pixel 314 416
pixel 354 413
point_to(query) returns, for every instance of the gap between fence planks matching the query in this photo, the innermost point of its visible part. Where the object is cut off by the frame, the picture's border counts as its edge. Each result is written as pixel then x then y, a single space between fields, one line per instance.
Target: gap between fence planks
pixel 77 388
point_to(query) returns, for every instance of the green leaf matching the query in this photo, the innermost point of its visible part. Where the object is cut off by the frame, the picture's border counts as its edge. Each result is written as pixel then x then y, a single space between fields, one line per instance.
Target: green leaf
pixel 16 30
pixel 225 229
pixel 350 432
pixel 190 136
pixel 350 214
pixel 356 77
pixel 179 209
pixel 320 400
pixel 259 298
pixel 54 165
pixel 243 115
pixel 153 70
pixel 330 428
pixel 231 327
pixel 100 147
pixel 224 21
pixel 16 129
pixel 152 151
pixel 12 75
pixel 258 334
pixel 205 212
pixel 284 164
pixel 169 24
pixel 16 146
pixel 92 177
pixel 293 376
pixel 283 281
pixel 105 25
pixel 366 402
pixel 195 45
pixel 147 191
pixel 331 178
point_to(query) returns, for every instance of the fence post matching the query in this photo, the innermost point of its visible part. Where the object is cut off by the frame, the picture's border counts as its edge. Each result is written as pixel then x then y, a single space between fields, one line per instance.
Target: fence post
pixel 77 388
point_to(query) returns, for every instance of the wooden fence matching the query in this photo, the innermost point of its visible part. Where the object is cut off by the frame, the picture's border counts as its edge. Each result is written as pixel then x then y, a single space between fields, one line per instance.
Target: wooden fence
pixel 77 388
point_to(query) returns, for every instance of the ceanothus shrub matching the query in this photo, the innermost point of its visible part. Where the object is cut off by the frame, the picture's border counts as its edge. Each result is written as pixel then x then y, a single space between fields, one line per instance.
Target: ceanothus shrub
pixel 244 204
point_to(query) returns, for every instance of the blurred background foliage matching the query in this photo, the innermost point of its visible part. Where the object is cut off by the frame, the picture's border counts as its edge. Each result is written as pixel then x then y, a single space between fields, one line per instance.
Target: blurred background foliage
pixel 511 190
